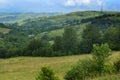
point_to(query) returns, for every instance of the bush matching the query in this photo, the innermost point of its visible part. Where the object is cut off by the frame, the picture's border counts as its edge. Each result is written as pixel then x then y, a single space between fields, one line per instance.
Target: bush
pixel 91 68
pixel 101 55
pixel 59 53
pixel 83 70
pixel 3 52
pixel 46 74
pixel 13 52
pixel 38 48
pixel 117 65
pixel 44 51
pixel 108 69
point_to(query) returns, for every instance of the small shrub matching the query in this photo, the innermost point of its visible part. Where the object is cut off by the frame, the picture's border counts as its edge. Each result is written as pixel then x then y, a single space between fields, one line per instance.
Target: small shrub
pixel 108 69
pixel 57 53
pixel 45 51
pixel 13 52
pixel 3 52
pixel 117 65
pixel 46 74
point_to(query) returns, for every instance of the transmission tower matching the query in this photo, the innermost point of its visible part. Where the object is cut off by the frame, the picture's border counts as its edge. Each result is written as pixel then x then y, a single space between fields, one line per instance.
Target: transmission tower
pixel 101 8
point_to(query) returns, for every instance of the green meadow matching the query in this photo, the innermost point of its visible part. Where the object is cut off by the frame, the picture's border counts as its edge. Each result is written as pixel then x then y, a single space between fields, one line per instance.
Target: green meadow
pixel 27 68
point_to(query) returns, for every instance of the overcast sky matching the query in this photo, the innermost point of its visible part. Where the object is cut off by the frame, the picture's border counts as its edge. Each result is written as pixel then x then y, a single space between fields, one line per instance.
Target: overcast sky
pixel 57 5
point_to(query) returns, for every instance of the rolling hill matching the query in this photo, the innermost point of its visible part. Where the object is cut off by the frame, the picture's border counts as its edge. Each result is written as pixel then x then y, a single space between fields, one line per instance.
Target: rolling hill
pixel 48 28
pixel 15 17
pixel 54 25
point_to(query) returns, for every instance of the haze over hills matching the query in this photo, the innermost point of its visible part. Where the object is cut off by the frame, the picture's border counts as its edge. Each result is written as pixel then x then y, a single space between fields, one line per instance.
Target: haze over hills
pixel 16 17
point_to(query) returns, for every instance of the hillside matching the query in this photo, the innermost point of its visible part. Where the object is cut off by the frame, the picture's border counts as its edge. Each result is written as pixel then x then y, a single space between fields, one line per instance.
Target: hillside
pixel 101 21
pixel 104 21
pixel 55 25
pixel 15 17
pixel 48 28
pixel 26 68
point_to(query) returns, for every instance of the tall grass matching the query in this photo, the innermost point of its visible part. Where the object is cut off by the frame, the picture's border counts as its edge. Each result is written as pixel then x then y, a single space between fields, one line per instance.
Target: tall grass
pixel 26 68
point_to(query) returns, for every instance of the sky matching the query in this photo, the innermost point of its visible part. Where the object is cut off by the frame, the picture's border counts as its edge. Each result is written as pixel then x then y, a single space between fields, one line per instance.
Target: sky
pixel 38 6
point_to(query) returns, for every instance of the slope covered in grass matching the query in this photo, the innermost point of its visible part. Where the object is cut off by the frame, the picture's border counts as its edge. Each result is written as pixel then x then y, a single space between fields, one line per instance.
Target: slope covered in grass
pixel 4 30
pixel 26 68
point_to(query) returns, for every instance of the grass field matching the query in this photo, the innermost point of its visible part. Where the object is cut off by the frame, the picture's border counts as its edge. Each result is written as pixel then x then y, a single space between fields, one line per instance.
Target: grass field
pixel 4 30
pixel 51 34
pixel 26 68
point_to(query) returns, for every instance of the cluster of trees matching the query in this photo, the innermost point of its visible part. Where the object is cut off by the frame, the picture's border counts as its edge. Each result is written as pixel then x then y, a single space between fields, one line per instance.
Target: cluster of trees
pixel 112 37
pixel 68 44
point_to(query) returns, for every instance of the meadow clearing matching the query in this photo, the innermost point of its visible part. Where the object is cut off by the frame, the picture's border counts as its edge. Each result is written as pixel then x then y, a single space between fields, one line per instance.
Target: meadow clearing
pixel 27 68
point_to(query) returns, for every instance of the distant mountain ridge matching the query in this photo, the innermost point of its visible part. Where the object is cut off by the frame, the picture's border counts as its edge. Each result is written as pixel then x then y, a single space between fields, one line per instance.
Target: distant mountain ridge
pixel 16 17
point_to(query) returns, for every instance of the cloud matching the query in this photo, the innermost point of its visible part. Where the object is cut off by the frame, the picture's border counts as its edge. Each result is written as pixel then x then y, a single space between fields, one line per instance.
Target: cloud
pixel 82 2
pixel 56 5
pixel 99 2
pixel 4 3
pixel 70 3
pixel 34 1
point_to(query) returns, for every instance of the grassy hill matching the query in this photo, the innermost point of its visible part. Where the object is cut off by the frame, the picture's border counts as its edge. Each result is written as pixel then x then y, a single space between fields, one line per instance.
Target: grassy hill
pixel 55 26
pixel 26 68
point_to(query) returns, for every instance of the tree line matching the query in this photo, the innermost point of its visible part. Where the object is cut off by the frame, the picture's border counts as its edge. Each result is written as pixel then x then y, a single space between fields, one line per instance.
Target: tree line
pixel 68 44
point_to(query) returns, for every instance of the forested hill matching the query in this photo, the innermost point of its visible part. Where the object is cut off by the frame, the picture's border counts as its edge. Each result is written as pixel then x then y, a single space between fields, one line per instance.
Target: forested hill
pixel 54 25
pixel 49 27
pixel 58 22
pixel 104 21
